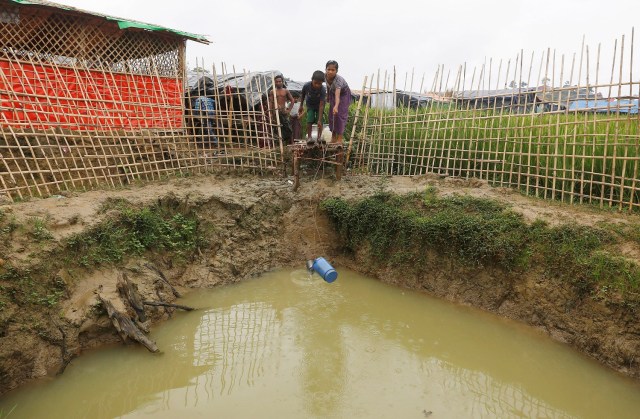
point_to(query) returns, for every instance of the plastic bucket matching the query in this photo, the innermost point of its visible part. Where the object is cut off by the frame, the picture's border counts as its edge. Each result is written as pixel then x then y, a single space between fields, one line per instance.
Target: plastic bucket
pixel 325 270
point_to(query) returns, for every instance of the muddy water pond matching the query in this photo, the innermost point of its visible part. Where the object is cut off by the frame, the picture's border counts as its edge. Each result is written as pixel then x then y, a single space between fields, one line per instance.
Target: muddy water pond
pixel 289 346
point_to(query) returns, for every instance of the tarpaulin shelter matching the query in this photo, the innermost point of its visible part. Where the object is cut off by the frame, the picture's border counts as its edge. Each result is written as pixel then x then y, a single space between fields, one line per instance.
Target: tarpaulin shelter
pixel 249 86
pixel 388 99
pixel 524 99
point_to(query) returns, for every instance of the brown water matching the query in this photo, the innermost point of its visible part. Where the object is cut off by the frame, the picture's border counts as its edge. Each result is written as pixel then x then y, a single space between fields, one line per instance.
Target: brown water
pixel 287 346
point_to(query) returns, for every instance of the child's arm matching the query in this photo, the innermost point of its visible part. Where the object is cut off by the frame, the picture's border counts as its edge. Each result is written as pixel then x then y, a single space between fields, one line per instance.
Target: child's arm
pixel 335 108
pixel 320 115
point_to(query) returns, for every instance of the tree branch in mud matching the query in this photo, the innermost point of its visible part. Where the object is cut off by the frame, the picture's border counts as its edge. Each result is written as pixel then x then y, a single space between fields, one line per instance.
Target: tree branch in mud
pixel 129 290
pixel 126 327
pixel 161 304
pixel 163 277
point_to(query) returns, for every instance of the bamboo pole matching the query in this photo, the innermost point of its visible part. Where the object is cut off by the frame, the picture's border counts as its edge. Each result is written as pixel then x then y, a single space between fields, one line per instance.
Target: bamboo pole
pixel 616 129
pixel 415 126
pixel 100 101
pixel 557 136
pixel 85 100
pixel 446 116
pixel 405 109
pixel 395 118
pixel 367 140
pixel 565 158
pixel 521 138
pixel 22 156
pixel 575 130
pixel 507 139
pixel 637 139
pixel 50 106
pixel 475 141
pixel 427 136
pixel 608 130
pixel 355 121
pixel 437 87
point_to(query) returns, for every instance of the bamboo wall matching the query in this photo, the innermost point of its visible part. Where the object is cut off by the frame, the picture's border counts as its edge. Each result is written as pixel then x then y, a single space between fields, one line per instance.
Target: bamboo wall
pixel 84 104
pixel 514 123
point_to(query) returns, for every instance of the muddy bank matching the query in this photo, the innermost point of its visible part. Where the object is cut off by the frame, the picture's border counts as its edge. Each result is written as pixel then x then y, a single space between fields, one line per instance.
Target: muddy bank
pixel 256 225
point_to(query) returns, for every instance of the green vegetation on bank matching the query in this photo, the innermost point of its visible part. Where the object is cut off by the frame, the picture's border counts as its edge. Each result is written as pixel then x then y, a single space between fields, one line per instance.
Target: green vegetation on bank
pixel 162 229
pixel 406 230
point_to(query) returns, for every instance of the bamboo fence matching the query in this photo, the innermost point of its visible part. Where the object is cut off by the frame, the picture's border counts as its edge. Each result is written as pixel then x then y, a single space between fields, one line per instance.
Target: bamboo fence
pixel 552 126
pixel 85 106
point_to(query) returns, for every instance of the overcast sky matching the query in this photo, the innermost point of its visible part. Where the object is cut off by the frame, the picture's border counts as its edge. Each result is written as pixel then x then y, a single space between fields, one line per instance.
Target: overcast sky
pixel 298 37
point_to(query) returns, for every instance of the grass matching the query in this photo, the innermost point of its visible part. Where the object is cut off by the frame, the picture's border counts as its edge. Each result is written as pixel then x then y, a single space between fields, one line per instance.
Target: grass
pixel 134 231
pixel 128 231
pixel 565 156
pixel 406 230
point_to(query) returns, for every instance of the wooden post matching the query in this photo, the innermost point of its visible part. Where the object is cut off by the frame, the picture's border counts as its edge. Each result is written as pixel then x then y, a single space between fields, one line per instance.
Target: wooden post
pixel 296 170
pixel 339 162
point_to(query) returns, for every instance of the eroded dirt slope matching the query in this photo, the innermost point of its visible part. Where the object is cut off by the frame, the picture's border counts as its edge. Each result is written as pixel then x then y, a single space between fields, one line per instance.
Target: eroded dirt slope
pixel 261 224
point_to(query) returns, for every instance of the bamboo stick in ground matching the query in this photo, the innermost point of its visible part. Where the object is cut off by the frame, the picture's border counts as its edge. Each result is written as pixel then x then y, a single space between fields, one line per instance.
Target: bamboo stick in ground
pixel 637 139
pixel 575 131
pixel 355 121
pixel 606 137
pixel 556 154
pixel 616 131
pixel 626 148
pixel 363 150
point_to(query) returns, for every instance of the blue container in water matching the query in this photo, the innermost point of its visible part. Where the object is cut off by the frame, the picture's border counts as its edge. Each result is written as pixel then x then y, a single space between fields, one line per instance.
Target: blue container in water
pixel 325 270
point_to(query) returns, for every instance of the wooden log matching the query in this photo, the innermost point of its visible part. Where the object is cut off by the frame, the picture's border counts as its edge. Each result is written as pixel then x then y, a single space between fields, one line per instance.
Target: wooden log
pixel 126 327
pixel 129 291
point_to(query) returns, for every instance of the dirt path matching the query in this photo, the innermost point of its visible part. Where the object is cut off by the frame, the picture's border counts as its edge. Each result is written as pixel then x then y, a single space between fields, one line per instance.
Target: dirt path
pixel 81 208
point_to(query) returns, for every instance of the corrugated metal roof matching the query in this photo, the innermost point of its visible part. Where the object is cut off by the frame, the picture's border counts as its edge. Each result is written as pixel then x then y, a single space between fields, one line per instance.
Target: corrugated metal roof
pixel 123 24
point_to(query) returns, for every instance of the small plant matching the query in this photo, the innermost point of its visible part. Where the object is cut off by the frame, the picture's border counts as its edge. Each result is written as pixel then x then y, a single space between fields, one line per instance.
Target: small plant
pixel 114 204
pixel 383 184
pixel 39 230
pixel 7 226
pixel 133 231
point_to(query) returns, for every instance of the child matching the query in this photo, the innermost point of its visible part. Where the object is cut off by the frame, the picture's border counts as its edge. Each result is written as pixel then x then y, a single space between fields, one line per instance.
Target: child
pixel 205 110
pixel 282 97
pixel 295 118
pixel 339 100
pixel 316 95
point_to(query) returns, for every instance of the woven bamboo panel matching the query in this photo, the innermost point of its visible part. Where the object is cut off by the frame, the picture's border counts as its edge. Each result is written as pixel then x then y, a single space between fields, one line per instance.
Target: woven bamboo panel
pixel 67 39
pixel 85 105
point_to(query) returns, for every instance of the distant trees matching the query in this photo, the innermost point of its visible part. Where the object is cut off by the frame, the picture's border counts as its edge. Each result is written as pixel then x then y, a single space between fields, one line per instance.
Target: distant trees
pixel 200 70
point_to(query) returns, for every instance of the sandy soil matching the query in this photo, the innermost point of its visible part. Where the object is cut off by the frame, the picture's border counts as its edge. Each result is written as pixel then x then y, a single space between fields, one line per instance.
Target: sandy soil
pixel 261 224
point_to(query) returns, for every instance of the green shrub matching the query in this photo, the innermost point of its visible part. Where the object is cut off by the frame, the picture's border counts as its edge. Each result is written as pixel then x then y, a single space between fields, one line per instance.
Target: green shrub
pixel 476 232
